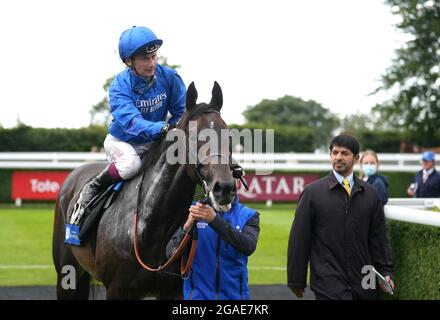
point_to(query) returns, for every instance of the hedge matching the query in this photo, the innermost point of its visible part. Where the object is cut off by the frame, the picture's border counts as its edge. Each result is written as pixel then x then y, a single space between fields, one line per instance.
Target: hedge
pixel 25 138
pixel 416 252
pixel 5 185
pixel 286 139
pixel 388 141
pixel 380 141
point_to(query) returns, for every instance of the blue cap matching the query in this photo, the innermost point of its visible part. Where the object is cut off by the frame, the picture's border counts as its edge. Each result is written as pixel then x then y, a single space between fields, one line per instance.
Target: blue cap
pixel 428 156
pixel 137 40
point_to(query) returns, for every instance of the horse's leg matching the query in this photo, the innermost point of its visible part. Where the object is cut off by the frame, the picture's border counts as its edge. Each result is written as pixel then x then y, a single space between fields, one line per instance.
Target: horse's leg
pixel 171 287
pixel 125 285
pixel 73 282
pixel 115 292
pixel 81 292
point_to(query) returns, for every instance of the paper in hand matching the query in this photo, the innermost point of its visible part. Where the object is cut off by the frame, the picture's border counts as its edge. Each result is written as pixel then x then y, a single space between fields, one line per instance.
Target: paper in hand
pixel 384 282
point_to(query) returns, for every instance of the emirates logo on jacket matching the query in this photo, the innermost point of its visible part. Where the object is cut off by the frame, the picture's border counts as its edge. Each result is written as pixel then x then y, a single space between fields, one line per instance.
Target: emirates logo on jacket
pixel 151 104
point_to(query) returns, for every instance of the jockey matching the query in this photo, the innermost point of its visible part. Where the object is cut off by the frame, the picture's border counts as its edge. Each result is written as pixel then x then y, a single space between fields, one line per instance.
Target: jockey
pixel 140 98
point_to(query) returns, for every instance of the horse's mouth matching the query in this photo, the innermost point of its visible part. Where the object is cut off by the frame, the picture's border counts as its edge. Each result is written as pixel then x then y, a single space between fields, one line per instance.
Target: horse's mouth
pixel 219 207
pixel 222 208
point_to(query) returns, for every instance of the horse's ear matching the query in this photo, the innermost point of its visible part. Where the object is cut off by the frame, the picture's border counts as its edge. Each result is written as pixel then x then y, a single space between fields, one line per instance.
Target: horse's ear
pixel 217 96
pixel 191 96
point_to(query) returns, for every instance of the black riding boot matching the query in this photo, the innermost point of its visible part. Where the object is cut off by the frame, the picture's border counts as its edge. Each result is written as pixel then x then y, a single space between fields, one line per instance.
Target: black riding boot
pixel 101 182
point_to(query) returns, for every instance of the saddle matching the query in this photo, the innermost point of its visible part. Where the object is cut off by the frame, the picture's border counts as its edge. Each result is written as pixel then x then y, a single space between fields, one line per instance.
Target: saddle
pixel 75 234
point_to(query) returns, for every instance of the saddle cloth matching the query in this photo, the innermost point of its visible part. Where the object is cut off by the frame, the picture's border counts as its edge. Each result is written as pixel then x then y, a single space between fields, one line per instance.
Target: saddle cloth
pixel 76 234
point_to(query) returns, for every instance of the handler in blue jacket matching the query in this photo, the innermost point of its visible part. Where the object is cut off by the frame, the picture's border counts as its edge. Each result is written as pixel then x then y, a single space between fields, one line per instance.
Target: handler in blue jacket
pixel 140 98
pixel 225 240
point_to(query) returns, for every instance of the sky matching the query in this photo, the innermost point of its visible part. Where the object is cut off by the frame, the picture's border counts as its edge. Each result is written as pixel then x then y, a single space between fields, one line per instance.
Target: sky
pixel 56 55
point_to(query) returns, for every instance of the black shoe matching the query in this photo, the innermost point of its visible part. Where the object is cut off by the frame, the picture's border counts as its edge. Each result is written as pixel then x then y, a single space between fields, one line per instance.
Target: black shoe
pixel 91 189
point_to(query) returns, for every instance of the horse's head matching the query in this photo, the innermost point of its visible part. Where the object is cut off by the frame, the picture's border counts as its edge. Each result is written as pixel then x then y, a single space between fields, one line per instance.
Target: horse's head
pixel 209 147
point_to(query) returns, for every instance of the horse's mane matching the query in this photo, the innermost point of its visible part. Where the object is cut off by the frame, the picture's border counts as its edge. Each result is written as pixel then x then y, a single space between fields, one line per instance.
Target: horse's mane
pixel 152 154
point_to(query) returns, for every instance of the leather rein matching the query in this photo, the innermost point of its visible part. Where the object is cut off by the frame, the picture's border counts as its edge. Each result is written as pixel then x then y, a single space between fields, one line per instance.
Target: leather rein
pixel 184 267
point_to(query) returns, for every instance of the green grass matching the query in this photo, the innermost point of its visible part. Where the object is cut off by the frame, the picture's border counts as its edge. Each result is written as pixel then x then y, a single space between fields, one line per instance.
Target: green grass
pixel 26 245
pixel 267 265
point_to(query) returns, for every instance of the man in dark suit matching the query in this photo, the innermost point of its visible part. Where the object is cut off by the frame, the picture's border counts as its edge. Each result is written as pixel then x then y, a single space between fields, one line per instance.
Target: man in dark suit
pixel 339 227
pixel 426 183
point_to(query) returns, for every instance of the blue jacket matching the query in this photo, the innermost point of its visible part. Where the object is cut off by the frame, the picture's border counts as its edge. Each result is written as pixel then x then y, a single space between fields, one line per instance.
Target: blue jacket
pixel 139 109
pixel 429 189
pixel 219 271
pixel 380 183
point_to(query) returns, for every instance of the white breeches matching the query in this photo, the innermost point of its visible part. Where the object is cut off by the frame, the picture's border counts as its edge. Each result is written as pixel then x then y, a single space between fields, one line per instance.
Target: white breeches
pixel 124 155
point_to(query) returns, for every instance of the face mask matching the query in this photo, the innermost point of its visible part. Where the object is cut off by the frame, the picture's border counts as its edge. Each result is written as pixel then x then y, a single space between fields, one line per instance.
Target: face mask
pixel 369 169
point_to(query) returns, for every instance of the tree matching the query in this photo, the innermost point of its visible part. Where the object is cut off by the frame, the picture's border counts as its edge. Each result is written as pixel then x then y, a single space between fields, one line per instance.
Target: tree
pixel 102 108
pixel 370 121
pixel 354 123
pixel 100 112
pixel 295 112
pixel 415 72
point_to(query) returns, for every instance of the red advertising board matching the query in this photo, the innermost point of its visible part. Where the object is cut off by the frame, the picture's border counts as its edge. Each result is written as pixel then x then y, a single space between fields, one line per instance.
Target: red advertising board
pixel 37 185
pixel 45 185
pixel 276 187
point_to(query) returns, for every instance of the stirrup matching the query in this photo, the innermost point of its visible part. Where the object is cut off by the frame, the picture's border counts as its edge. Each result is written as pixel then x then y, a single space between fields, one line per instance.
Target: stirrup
pixel 72 229
pixel 78 211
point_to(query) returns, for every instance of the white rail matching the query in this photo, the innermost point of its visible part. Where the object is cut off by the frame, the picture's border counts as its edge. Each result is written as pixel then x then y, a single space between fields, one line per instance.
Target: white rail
pixel 415 203
pixel 406 214
pixel 250 161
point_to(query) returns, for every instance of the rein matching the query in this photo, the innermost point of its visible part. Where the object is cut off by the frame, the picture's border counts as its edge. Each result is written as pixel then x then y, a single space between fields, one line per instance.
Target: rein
pixel 184 268
pixel 192 233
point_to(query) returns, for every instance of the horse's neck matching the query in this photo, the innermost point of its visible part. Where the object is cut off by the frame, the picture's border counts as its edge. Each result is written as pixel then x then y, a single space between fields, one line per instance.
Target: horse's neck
pixel 164 187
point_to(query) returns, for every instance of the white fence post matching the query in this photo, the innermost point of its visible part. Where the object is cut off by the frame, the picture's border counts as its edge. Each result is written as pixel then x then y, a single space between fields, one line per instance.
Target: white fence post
pixel 18 202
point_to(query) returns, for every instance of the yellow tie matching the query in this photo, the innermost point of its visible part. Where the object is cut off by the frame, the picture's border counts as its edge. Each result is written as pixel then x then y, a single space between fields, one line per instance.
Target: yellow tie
pixel 346 185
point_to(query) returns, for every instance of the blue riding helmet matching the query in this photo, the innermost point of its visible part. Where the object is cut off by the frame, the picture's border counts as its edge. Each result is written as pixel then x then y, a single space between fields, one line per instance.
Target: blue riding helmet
pixel 428 156
pixel 136 39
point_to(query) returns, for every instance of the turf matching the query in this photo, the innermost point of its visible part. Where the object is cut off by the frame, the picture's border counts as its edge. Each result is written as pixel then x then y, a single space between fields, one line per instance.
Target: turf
pixel 267 265
pixel 25 247
pixel 26 235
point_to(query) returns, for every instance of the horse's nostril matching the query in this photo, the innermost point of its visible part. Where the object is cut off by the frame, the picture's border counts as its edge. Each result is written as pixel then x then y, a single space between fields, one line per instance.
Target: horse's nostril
pixel 223 187
pixel 217 188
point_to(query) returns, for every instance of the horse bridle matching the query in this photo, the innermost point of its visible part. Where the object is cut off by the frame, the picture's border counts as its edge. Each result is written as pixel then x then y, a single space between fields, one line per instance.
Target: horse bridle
pixel 203 183
pixel 237 173
pixel 237 170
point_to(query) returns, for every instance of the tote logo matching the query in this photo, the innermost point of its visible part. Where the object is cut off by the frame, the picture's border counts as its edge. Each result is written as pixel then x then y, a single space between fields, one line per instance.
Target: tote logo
pixel 35 185
pixel 41 186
